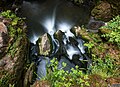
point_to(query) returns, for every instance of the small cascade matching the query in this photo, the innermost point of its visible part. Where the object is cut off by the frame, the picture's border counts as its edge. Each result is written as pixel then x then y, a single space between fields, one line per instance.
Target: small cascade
pixel 51 18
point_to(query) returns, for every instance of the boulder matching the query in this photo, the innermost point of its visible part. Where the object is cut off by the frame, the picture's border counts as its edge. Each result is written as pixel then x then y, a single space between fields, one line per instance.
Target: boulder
pixel 102 11
pixel 45 45
pixel 60 36
pixel 94 25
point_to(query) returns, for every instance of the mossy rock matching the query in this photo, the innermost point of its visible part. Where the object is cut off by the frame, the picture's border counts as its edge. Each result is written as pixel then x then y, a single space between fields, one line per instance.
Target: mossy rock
pixel 102 11
pixel 45 45
pixel 14 60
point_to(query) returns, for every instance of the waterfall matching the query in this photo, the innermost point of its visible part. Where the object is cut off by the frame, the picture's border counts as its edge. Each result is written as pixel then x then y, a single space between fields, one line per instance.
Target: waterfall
pixel 49 17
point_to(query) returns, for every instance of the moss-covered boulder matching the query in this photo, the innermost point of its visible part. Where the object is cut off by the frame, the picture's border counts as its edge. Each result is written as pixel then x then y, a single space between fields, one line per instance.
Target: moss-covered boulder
pixel 45 45
pixel 12 63
pixel 102 11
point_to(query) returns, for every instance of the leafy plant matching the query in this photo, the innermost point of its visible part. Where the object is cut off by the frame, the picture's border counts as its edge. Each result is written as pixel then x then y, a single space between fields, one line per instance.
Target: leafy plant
pixel 89 45
pixel 14 26
pixel 62 78
pixel 103 67
pixel 114 26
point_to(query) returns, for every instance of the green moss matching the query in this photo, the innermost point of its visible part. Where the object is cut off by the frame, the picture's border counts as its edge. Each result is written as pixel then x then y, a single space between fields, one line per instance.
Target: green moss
pixel 5 81
pixel 15 30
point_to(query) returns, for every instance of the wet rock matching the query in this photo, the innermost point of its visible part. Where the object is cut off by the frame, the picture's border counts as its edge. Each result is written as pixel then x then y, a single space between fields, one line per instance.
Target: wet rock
pixel 73 41
pixel 59 35
pixel 102 11
pixel 94 25
pixel 76 60
pixel 76 30
pixel 45 45
pixel 69 63
pixel 41 67
pixel 29 76
pixel 33 52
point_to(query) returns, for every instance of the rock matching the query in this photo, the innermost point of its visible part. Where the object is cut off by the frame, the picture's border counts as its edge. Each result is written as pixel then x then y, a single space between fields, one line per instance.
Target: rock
pixel 3 28
pixel 14 53
pixel 102 11
pixel 29 76
pixel 76 30
pixel 59 35
pixel 41 84
pixel 13 64
pixel 94 25
pixel 2 63
pixel 45 45
pixel 42 67
pixel 69 63
pixel 3 38
pixel 115 6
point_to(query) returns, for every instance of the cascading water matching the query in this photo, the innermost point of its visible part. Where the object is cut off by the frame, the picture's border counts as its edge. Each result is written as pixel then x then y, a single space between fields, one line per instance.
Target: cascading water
pixel 50 17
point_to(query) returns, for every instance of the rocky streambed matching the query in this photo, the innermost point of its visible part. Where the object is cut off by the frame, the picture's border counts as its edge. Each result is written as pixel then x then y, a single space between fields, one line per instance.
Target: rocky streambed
pixel 23 63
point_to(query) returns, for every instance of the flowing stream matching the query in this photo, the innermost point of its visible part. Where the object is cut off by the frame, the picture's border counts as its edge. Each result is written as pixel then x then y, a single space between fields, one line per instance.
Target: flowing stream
pixel 50 16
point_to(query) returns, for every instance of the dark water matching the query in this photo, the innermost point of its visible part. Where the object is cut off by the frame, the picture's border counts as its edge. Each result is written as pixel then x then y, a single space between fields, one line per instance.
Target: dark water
pixel 58 11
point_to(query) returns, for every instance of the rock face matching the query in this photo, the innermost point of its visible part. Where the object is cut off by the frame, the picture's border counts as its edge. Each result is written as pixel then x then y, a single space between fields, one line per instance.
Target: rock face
pixel 45 45
pixel 29 76
pixel 3 38
pixel 102 11
pixel 13 38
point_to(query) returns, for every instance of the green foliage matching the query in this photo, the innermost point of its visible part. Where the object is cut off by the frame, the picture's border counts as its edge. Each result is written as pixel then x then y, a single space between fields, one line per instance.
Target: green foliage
pixel 114 26
pixel 8 14
pixel 13 27
pixel 103 67
pixel 15 30
pixel 4 81
pixel 89 45
pixel 62 78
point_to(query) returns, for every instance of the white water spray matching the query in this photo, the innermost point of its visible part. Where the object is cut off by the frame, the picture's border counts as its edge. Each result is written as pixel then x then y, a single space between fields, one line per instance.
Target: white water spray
pixel 80 45
pixel 71 51
pixel 65 27
pixel 34 38
pixel 49 23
